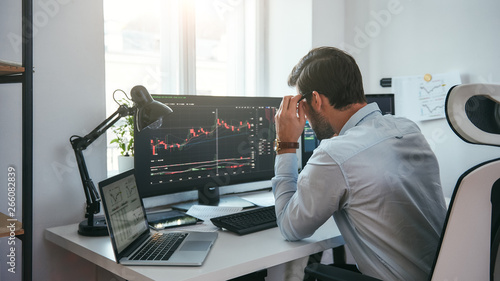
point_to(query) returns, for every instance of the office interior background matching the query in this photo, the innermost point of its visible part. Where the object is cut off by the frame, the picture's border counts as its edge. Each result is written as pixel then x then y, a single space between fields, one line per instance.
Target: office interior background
pixel 73 62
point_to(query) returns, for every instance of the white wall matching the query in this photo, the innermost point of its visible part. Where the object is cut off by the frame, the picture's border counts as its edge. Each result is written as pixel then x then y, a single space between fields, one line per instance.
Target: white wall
pixel 328 20
pixel 429 37
pixel 68 100
pixel 294 27
pixel 288 39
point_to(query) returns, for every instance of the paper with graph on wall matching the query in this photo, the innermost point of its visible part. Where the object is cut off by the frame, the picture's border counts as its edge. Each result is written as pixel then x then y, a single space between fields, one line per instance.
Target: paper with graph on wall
pixel 422 97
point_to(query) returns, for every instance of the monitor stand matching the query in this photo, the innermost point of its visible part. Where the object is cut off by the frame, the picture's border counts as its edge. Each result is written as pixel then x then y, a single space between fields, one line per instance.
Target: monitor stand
pixel 211 197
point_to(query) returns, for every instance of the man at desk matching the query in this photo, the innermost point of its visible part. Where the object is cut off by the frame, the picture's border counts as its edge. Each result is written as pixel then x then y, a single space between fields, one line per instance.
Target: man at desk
pixel 376 175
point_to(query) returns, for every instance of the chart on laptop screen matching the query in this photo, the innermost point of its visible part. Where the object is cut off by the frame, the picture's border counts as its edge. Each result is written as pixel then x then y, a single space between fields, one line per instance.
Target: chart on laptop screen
pixel 125 211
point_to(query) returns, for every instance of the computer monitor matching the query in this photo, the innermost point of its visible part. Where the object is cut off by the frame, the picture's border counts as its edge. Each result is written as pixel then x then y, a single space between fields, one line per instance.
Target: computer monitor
pixel 310 142
pixel 207 142
pixel 384 101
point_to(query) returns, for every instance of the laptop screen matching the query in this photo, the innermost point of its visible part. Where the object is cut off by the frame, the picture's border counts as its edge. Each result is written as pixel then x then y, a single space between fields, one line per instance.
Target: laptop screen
pixel 126 214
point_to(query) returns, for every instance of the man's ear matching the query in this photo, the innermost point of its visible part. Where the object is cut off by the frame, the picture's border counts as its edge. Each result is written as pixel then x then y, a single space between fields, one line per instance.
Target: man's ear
pixel 316 101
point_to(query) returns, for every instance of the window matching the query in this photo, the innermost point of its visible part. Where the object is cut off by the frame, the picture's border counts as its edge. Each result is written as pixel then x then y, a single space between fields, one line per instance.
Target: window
pixel 206 47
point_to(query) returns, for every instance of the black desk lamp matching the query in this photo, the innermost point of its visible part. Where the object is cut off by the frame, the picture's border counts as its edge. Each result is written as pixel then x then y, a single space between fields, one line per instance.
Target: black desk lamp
pixel 148 114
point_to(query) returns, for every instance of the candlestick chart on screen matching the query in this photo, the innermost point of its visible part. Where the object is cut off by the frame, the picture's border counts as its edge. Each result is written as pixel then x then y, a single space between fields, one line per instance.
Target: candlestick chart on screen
pixel 206 141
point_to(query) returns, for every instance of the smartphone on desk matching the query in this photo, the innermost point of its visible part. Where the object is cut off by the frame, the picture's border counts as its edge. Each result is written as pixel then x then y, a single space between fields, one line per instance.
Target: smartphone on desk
pixel 171 218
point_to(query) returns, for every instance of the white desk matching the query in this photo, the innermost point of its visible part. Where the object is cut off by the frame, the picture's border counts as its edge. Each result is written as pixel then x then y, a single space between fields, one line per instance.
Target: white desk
pixel 230 257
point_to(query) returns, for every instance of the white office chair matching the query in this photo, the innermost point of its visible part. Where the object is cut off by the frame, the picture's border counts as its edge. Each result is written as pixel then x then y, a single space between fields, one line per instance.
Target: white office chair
pixel 469 246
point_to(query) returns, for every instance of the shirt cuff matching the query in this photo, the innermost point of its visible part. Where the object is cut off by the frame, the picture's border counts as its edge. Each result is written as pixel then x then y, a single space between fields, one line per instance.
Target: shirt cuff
pixel 286 165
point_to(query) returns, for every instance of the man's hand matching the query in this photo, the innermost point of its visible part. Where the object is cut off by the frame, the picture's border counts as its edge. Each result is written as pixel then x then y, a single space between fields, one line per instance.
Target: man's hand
pixel 290 119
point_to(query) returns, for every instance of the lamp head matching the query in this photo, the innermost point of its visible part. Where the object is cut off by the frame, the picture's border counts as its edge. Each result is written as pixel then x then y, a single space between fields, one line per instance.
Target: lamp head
pixel 150 113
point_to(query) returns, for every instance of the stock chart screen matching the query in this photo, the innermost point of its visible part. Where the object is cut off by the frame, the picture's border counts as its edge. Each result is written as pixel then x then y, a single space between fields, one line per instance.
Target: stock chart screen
pixel 215 140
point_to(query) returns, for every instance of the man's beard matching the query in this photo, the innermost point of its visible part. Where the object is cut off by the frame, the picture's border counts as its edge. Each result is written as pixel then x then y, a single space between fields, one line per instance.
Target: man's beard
pixel 320 125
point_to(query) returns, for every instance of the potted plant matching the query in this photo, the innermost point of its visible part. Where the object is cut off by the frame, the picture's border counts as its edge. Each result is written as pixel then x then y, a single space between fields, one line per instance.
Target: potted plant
pixel 124 138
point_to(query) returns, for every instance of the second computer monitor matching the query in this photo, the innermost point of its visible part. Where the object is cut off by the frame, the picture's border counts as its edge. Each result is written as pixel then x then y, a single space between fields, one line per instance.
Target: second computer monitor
pixel 309 141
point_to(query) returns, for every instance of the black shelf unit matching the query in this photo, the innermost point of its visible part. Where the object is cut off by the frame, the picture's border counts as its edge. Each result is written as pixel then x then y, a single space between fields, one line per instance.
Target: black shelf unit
pixel 24 74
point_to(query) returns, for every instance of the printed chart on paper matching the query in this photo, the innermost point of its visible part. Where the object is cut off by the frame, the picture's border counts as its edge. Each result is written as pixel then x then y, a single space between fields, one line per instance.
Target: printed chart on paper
pixel 422 97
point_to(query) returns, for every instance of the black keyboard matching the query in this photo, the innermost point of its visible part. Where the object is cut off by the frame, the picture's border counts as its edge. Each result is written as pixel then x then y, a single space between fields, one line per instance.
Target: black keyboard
pixel 248 221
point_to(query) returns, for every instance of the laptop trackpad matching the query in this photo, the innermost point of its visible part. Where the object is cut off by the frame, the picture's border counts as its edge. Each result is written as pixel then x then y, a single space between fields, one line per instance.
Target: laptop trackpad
pixel 195 246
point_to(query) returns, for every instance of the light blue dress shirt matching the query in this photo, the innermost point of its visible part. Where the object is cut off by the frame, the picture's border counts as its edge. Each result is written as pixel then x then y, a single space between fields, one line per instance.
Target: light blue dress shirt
pixel 380 181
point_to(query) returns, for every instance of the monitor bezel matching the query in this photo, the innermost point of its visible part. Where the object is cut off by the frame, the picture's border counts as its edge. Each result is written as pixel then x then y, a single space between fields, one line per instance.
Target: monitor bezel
pixel 147 190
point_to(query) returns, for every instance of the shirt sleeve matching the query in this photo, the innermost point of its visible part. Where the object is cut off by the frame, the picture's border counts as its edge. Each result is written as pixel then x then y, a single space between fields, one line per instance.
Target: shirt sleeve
pixel 304 203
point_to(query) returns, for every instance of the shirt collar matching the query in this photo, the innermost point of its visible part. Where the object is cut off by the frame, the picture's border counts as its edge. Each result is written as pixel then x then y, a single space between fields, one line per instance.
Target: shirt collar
pixel 361 115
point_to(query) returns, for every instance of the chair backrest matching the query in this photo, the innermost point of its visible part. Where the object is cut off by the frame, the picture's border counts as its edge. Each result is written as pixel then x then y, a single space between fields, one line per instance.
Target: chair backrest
pixel 464 253
pixel 469 242
pixel 473 112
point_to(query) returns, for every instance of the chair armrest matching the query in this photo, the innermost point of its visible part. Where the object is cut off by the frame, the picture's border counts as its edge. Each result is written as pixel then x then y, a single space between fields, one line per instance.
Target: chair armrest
pixel 331 273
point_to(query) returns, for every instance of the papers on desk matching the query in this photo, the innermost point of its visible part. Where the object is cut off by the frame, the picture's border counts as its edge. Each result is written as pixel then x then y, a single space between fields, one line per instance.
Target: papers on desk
pixel 205 213
pixel 262 199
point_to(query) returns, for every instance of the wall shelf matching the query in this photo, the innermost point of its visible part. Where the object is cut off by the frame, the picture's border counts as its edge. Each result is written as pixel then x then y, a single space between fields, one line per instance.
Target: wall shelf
pixel 5 223
pixel 7 68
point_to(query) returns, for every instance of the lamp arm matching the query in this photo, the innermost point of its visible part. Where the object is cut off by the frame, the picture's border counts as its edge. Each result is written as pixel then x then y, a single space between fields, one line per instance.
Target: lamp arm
pixel 82 143
pixel 79 144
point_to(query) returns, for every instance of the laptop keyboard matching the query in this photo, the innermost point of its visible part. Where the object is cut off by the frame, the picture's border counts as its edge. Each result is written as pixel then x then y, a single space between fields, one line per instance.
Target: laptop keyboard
pixel 161 246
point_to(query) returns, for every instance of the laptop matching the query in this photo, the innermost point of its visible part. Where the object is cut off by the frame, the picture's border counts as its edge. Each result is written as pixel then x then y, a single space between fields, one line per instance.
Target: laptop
pixel 130 233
